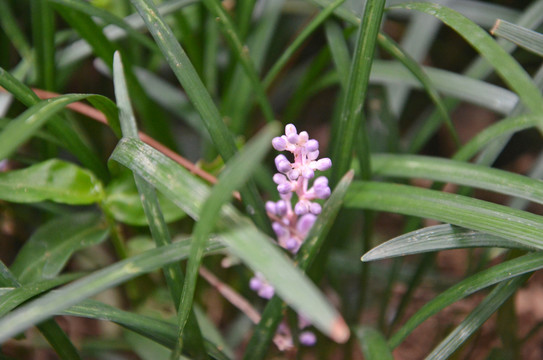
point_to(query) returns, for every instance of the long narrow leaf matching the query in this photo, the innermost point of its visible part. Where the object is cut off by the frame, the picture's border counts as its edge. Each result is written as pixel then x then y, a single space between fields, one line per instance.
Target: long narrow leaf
pixel 518 226
pixel 351 113
pixel 199 96
pixel 457 172
pixel 504 64
pixel 498 273
pixel 44 307
pixel 525 38
pixel 373 344
pixel 437 238
pixel 477 317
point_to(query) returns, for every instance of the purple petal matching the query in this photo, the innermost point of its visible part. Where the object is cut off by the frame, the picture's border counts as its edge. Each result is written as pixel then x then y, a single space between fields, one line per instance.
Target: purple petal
pixel 303 137
pixel 322 192
pixel 279 230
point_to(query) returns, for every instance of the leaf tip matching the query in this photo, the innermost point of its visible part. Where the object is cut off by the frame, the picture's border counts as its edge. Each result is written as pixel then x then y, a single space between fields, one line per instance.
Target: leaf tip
pixel 495 27
pixel 340 332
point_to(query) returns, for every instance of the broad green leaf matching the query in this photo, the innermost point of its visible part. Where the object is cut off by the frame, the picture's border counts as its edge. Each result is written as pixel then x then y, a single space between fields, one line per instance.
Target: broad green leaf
pixel 242 238
pixel 457 172
pixel 477 317
pixel 498 273
pixel 237 170
pixel 525 38
pixel 504 64
pixel 518 226
pixel 47 251
pixel 18 295
pixel 350 119
pixel 124 204
pixel 54 180
pixel 373 344
pixel 437 238
pixel 47 305
pixel 273 313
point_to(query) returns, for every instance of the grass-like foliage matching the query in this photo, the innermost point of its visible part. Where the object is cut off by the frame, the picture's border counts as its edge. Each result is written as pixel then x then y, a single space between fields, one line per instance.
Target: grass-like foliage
pixel 142 215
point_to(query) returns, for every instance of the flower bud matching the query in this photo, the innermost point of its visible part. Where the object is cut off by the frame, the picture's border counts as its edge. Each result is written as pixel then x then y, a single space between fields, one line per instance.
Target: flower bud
pixel 301 208
pixel 255 283
pixel 284 166
pixel 312 145
pixel 305 223
pixel 266 291
pixel 324 164
pixel 279 178
pixel 294 174
pixel 315 208
pixel 320 182
pixel 303 137
pixel 308 173
pixel 290 129
pixel 292 138
pixel 291 244
pixel 281 207
pixel 280 158
pixel 279 143
pixel 322 192
pixel 284 188
pixel 313 155
pixel 271 207
pixel 279 230
pixel 307 338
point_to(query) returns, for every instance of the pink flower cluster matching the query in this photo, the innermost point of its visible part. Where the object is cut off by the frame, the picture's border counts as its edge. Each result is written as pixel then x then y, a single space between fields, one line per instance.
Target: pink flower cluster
pixel 292 224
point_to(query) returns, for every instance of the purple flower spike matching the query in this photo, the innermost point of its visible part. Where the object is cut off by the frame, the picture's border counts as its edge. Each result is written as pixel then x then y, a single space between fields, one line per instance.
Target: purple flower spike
pixel 307 338
pixel 295 182
pixel 279 144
